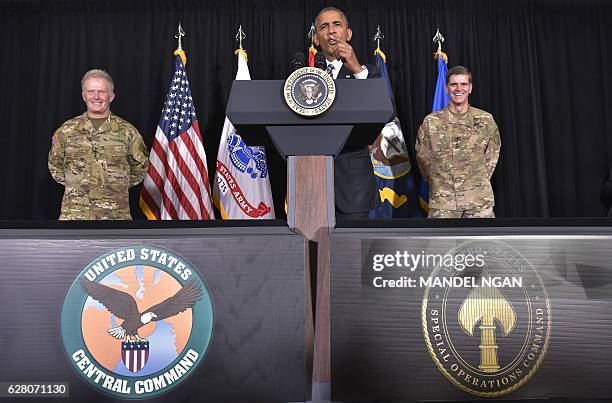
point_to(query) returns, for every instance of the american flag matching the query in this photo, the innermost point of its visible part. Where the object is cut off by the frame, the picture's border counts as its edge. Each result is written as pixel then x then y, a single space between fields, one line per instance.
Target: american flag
pixel 176 186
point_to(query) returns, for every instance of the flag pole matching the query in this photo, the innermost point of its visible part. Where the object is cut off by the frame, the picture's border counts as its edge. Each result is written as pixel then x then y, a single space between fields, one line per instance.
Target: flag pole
pixel 311 34
pixel 312 51
pixel 240 35
pixel 179 50
pixel 439 39
pixel 179 35
pixel 378 36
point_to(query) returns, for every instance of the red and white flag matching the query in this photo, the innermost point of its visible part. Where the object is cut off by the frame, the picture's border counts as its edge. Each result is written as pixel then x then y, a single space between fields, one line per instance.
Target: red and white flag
pixel 242 183
pixel 176 186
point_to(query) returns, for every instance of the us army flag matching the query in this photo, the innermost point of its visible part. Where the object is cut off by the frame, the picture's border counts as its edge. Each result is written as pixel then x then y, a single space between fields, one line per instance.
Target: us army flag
pixel 242 185
pixel 397 187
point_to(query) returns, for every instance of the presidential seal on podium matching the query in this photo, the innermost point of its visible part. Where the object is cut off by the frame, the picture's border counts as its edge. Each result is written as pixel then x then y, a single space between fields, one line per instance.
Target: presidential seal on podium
pixel 309 91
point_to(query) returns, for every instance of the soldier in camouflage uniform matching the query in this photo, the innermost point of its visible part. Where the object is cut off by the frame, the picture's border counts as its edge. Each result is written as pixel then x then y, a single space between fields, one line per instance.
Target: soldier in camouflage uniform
pixel 97 156
pixel 457 150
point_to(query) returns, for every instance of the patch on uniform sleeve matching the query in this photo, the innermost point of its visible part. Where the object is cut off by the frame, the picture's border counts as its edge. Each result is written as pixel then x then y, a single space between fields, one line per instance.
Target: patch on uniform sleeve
pixel 55 140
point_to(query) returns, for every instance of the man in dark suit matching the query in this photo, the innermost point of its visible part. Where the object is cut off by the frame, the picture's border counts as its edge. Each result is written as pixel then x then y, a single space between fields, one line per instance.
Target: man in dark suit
pixel 355 184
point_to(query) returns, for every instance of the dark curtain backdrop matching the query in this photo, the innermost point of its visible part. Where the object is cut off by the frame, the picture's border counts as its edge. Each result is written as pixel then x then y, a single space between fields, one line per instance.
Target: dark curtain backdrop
pixel 540 67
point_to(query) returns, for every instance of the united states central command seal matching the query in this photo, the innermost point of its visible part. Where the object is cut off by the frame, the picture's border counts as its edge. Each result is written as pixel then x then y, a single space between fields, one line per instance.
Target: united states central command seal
pixel 487 337
pixel 137 322
pixel 309 91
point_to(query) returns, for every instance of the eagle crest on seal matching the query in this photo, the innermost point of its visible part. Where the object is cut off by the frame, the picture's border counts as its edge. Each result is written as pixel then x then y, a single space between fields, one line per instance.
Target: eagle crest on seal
pixel 123 305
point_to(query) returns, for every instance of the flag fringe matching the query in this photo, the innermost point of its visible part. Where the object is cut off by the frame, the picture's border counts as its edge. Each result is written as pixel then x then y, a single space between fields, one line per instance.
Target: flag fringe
pixel 146 210
pixel 424 205
pixel 219 207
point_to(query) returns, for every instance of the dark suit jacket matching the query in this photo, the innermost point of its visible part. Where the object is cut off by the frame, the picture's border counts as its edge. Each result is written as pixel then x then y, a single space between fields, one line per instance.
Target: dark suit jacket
pixel 354 182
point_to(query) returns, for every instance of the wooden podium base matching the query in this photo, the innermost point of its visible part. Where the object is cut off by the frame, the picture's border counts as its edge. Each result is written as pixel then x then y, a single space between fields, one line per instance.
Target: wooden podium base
pixel 311 212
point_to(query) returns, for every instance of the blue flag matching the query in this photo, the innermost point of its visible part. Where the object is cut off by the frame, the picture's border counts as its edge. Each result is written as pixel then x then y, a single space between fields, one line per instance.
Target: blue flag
pixel 440 100
pixel 397 187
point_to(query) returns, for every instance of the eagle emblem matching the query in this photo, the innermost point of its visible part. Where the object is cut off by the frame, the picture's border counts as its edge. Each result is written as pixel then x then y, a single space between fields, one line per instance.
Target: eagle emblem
pixel 310 91
pixel 247 159
pixel 136 321
pixel 123 306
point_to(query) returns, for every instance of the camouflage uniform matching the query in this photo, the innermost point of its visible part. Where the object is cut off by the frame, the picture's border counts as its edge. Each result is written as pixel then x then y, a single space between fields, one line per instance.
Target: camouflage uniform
pixel 457 157
pixel 97 167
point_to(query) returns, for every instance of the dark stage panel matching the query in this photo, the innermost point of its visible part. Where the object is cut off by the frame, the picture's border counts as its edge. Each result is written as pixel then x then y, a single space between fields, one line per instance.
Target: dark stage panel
pixel 480 311
pixel 230 305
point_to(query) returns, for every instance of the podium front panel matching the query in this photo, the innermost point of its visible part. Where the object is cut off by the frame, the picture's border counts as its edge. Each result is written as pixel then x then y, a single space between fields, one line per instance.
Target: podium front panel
pixel 242 339
pixel 460 313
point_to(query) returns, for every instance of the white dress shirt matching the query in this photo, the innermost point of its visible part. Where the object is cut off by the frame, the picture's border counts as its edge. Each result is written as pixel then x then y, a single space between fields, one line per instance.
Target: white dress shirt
pixel 363 74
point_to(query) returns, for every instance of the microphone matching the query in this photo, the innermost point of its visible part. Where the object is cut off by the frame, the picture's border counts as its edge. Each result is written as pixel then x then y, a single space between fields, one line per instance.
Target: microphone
pixel 298 61
pixel 320 62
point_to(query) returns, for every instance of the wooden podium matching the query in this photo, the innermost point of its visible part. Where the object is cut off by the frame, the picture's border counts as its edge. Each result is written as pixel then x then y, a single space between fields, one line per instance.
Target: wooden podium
pixel 258 111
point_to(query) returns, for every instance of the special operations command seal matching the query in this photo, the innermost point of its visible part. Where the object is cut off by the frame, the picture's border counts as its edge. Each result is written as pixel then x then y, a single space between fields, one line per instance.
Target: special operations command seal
pixel 309 91
pixel 488 341
pixel 137 322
